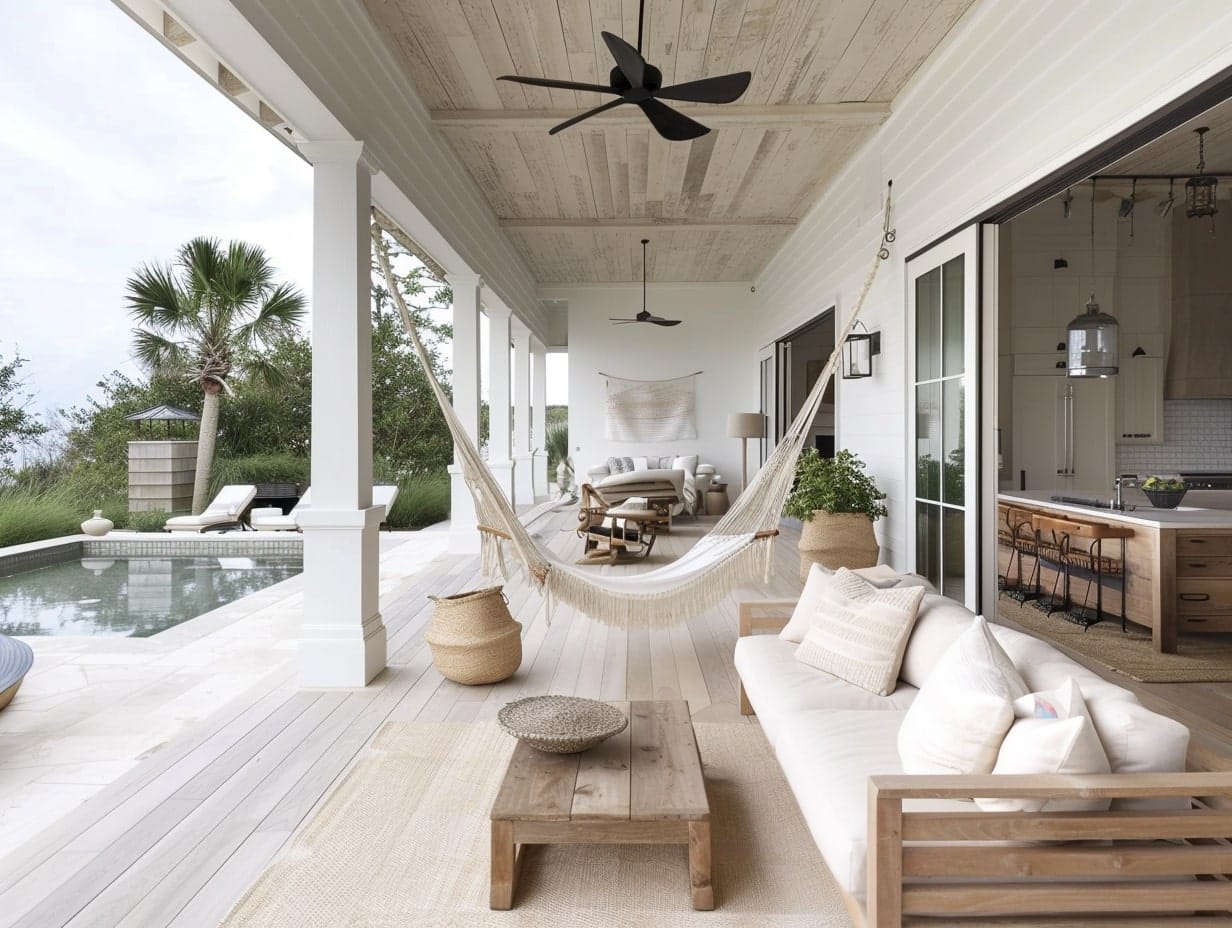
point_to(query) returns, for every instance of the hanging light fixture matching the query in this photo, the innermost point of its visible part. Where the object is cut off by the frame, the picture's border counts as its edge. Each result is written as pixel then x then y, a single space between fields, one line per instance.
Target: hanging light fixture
pixel 1200 189
pixel 1067 203
pixel 1092 337
pixel 858 351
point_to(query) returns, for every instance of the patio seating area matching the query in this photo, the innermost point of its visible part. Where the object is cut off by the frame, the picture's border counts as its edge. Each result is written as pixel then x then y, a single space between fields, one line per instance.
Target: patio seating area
pixel 176 839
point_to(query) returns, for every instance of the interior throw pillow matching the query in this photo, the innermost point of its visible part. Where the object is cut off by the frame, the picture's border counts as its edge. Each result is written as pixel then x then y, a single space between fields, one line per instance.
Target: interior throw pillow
pixel 686 463
pixel 862 641
pixel 626 465
pixel 964 709
pixel 823 585
pixel 1053 733
pixel 616 465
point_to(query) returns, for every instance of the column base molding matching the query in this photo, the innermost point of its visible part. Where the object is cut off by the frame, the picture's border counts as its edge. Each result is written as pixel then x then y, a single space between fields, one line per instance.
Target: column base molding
pixel 524 477
pixel 342 656
pixel 503 472
pixel 463 534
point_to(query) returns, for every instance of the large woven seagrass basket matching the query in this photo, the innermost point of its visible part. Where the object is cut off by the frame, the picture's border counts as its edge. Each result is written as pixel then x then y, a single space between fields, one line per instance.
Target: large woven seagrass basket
pixel 473 637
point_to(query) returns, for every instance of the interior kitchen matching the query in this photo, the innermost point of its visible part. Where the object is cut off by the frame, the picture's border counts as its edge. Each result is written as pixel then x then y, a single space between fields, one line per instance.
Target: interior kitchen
pixel 1114 395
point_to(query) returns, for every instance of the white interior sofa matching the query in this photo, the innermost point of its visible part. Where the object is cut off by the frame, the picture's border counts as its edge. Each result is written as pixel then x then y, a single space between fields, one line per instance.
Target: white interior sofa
pixel 690 478
pixel 903 846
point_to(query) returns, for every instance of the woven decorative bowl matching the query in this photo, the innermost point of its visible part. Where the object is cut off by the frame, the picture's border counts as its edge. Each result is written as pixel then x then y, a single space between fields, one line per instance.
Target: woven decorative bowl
pixel 1165 499
pixel 561 724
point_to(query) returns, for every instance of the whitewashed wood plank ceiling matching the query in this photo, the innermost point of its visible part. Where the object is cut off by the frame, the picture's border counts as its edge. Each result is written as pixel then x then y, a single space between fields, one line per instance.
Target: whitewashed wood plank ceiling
pixel 825 73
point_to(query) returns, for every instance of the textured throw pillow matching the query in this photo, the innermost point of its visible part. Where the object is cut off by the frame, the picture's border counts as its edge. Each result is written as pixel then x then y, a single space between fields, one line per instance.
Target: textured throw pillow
pixel 626 465
pixel 615 465
pixel 686 463
pixel 822 585
pixel 862 640
pixel 1052 733
pixel 964 709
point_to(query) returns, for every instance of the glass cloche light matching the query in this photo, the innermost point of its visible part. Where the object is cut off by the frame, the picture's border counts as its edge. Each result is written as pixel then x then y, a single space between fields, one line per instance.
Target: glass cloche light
pixel 1091 340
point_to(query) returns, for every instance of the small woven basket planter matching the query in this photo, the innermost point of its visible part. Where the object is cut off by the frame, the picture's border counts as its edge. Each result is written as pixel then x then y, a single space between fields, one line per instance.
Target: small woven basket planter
pixel 473 637
pixel 561 724
pixel 837 539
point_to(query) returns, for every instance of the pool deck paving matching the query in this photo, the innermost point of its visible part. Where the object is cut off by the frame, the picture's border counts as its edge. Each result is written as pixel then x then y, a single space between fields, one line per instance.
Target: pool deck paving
pixel 92 708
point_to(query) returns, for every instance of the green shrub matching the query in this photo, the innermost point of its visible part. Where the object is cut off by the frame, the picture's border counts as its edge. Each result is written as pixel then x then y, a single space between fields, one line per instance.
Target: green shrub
pixel 151 520
pixel 259 468
pixel 31 516
pixel 423 499
pixel 836 484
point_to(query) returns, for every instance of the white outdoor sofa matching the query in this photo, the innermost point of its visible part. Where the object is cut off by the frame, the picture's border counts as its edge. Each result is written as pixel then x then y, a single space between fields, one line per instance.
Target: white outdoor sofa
pixel 690 479
pixel 916 850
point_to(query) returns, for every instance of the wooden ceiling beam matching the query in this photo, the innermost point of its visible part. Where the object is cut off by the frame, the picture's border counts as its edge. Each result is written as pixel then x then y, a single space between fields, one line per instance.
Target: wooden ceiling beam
pixel 786 116
pixel 649 223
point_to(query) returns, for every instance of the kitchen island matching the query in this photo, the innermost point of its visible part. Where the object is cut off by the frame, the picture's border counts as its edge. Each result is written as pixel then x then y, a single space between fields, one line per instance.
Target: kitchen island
pixel 1178 562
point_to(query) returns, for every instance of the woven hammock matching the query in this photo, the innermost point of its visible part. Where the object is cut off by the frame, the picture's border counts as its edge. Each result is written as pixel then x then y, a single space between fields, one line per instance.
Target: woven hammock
pixel 735 552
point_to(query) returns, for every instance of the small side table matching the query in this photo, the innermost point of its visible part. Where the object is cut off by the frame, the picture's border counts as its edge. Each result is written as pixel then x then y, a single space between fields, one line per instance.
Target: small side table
pixel 716 499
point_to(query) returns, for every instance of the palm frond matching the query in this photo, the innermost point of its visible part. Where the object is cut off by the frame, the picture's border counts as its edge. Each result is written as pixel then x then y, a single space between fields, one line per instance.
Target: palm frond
pixel 157 353
pixel 155 299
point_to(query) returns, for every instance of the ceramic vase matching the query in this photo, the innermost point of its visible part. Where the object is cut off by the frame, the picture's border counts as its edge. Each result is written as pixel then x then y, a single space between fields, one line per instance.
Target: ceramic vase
pixel 97 525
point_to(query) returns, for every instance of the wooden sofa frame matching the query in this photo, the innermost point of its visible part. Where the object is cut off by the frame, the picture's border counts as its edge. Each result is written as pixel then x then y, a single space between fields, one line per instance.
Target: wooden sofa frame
pixel 936 868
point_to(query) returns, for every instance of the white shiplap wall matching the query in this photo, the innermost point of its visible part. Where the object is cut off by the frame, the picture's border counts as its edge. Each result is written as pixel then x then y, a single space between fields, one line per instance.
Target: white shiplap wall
pixel 1016 91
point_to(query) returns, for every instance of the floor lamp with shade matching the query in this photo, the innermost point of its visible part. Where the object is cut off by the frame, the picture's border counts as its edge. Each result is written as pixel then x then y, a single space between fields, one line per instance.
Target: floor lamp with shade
pixel 745 425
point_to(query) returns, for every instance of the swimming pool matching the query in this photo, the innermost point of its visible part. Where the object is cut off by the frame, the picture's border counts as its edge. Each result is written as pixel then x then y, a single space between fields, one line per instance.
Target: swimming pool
pixel 100 595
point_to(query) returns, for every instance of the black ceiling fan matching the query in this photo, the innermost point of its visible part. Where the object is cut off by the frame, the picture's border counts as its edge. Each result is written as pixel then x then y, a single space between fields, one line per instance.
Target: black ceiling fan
pixel 644 315
pixel 635 81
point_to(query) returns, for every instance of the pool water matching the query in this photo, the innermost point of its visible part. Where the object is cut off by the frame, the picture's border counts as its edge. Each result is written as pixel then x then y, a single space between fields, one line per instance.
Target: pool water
pixel 134 597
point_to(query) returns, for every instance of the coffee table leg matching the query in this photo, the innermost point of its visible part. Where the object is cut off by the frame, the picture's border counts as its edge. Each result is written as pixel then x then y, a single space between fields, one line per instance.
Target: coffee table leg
pixel 504 859
pixel 699 865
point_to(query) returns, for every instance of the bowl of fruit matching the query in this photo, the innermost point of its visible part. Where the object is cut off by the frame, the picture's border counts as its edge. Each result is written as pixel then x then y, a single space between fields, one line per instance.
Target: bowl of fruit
pixel 1164 492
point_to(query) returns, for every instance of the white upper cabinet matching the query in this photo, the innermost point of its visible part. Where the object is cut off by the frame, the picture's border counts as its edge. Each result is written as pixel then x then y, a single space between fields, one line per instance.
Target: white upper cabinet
pixel 1140 401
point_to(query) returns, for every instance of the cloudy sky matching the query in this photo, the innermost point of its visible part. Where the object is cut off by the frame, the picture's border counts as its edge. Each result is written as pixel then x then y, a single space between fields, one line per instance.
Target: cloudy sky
pixel 113 154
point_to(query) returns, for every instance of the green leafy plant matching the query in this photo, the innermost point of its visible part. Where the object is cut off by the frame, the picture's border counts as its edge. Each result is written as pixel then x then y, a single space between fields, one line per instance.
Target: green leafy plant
pixel 1163 483
pixel 836 484
pixel 557 445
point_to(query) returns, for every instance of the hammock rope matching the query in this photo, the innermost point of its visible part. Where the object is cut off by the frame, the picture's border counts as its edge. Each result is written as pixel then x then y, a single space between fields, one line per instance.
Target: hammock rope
pixel 736 551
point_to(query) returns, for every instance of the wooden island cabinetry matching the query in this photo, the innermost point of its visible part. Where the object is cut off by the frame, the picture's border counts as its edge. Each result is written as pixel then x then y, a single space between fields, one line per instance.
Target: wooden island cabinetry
pixel 1177 570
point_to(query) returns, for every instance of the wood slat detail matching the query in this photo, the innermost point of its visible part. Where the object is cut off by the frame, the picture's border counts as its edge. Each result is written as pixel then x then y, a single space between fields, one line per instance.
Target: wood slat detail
pixel 602 790
pixel 1056 897
pixel 667 779
pixel 1058 786
pixel 538 786
pixel 1064 826
pixel 1066 861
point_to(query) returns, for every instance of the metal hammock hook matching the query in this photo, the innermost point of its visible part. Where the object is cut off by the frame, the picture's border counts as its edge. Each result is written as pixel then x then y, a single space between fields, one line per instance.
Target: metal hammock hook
pixel 887 234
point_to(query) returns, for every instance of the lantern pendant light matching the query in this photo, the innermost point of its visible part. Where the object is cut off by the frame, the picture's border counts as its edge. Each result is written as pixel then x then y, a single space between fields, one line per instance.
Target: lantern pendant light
pixel 1200 190
pixel 1091 339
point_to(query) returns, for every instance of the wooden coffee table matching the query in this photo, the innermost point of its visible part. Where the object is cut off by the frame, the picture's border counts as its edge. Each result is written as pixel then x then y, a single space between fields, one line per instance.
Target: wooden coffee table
pixel 643 786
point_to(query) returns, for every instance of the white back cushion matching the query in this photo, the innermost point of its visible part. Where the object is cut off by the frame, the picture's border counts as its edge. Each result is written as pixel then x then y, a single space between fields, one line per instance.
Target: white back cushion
pixel 963 711
pixel 938 626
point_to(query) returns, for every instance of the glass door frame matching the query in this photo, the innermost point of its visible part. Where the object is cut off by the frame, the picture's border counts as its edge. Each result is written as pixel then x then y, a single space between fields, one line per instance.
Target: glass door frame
pixel 964 242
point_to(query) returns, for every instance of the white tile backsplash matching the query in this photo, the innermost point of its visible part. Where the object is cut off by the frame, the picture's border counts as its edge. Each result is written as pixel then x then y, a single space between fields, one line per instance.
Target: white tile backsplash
pixel 1197 436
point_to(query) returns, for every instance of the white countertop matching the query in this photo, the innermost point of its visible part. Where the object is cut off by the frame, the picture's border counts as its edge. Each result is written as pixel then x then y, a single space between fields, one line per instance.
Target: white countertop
pixel 1183 517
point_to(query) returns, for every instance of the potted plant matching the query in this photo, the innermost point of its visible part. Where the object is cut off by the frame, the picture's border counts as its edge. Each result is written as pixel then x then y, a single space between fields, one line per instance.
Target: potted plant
pixel 837 503
pixel 1164 492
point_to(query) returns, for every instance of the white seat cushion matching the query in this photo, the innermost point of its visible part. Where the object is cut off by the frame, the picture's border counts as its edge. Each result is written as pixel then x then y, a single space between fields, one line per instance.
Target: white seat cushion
pixel 827 758
pixel 777 684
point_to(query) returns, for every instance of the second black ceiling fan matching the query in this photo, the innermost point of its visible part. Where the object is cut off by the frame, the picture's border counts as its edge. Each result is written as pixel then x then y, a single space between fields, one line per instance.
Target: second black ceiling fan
pixel 645 315
pixel 635 81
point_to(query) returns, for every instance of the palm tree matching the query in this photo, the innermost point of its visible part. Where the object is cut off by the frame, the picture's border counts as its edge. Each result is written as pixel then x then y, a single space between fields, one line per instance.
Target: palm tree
pixel 207 317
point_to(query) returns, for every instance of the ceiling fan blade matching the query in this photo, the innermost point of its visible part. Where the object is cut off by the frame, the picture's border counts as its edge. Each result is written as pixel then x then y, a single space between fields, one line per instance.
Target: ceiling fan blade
pixel 574 120
pixel 725 88
pixel 559 85
pixel 630 62
pixel 657 321
pixel 673 126
pixel 623 321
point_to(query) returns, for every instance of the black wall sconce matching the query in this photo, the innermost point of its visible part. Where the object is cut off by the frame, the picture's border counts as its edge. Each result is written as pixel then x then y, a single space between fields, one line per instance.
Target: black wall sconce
pixel 858 351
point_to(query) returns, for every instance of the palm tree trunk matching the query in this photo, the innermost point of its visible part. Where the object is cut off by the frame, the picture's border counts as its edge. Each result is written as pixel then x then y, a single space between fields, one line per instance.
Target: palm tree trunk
pixel 206 437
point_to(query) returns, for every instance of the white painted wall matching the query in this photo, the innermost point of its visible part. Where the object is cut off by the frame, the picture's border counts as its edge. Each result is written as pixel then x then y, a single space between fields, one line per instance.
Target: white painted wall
pixel 1016 91
pixel 715 338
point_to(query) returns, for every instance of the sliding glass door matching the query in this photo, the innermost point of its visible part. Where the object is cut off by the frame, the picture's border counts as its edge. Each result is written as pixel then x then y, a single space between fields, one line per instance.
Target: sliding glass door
pixel 943 404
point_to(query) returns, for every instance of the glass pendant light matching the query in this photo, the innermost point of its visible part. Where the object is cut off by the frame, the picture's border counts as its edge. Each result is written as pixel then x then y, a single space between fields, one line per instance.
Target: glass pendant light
pixel 1091 339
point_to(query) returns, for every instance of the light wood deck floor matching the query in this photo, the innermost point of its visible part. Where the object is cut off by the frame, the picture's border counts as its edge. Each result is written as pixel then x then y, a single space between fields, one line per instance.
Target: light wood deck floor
pixel 177 840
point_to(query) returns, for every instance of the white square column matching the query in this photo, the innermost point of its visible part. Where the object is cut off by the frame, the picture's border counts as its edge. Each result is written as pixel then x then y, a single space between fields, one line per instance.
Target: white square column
pixel 466 286
pixel 540 478
pixel 523 471
pixel 342 641
pixel 500 432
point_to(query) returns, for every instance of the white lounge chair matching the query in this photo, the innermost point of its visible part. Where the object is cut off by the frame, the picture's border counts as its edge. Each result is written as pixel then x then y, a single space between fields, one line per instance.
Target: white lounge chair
pixel 224 510
pixel 381 496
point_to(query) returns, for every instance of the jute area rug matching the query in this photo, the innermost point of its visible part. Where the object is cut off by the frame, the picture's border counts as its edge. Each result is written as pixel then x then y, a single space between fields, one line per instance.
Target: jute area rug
pixel 403 841
pixel 1199 658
